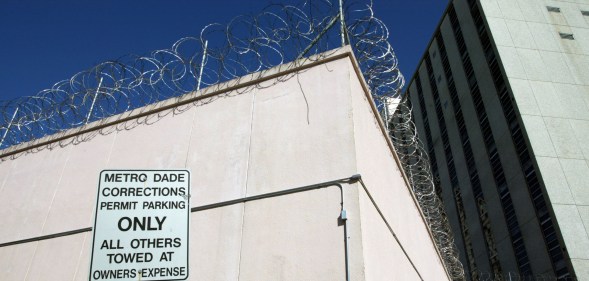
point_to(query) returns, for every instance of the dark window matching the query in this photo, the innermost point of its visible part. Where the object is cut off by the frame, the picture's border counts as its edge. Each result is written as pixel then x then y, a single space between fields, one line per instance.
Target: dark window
pixel 568 36
pixel 585 13
pixel 553 9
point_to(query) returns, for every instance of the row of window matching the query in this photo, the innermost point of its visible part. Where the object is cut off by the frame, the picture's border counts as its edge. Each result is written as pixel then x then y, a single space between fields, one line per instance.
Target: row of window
pixel 472 265
pixel 489 240
pixel 557 10
pixel 523 153
pixel 568 36
pixel 469 157
pixel 428 133
pixel 492 153
pixel 464 230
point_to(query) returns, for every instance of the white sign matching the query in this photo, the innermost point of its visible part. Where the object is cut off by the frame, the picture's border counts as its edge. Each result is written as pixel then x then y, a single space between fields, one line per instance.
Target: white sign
pixel 141 226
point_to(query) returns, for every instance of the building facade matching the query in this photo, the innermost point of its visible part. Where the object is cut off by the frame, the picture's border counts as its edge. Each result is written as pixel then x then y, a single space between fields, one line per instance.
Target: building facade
pixel 501 104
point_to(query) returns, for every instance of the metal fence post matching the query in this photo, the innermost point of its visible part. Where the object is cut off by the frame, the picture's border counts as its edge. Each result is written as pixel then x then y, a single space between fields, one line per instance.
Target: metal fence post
pixel 8 127
pixel 202 64
pixel 93 101
pixel 342 23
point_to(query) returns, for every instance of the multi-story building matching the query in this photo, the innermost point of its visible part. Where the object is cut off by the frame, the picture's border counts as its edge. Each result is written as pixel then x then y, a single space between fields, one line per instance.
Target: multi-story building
pixel 501 104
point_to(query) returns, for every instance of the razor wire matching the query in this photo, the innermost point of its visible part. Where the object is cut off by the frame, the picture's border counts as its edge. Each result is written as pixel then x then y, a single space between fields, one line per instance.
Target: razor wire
pixel 222 52
pixel 247 45
pixel 416 164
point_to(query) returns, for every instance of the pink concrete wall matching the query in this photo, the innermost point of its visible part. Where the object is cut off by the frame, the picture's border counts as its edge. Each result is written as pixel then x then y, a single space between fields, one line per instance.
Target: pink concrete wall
pixel 312 127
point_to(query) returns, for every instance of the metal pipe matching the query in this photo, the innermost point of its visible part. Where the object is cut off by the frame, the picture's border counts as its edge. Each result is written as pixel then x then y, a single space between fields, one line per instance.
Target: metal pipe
pixel 344 218
pixel 390 229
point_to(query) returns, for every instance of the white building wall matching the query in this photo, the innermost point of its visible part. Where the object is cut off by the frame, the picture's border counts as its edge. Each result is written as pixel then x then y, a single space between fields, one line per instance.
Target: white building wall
pixel 549 77
pixel 289 131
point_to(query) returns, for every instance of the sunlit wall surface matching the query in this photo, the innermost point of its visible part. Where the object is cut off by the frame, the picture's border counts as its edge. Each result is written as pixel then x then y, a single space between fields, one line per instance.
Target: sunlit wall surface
pixel 292 126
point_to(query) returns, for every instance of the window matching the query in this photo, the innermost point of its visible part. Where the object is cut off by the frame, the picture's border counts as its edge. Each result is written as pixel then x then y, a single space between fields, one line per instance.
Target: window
pixel 568 36
pixel 585 13
pixel 553 9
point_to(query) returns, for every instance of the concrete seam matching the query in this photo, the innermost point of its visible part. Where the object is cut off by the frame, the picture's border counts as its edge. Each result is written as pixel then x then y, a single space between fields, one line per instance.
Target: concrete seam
pixel 518 55
pixel 31 261
pixel 247 169
pixel 559 164
pixel 7 176
pixel 585 227
pixel 80 257
pixel 190 139
pixel 56 189
pixel 111 148
pixel 46 216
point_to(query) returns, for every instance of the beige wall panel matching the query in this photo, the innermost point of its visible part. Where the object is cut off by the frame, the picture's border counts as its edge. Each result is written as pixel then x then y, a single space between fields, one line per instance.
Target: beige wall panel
pixel 576 172
pixel 491 8
pixel 562 136
pixel 554 178
pixel 294 237
pixel 521 35
pixel 539 137
pixel 511 62
pixel 302 136
pixel 5 170
pixel 531 11
pixel 83 266
pixel 56 259
pixel 524 96
pixel 581 131
pixel 558 67
pixel 501 34
pixel 544 36
pixel 510 9
pixel 384 259
pixel 161 141
pixel 215 243
pixel 28 193
pixel 219 149
pixel 302 133
pixel 581 269
pixel 573 231
pixel 579 67
pixel 15 261
pixel 73 205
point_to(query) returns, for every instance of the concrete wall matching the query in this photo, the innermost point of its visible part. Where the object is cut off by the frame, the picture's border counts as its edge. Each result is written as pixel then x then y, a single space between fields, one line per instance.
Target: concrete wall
pixel 288 131
pixel 549 77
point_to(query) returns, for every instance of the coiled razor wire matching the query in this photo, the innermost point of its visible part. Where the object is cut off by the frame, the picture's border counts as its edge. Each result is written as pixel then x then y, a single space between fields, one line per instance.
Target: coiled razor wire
pixel 248 44
pixel 416 165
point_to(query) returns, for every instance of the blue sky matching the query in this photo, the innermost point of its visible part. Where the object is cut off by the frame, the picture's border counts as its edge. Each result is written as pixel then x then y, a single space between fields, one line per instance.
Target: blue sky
pixel 45 41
